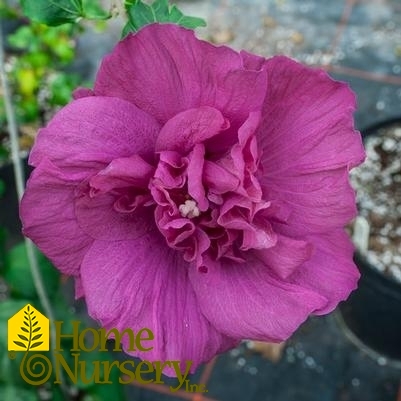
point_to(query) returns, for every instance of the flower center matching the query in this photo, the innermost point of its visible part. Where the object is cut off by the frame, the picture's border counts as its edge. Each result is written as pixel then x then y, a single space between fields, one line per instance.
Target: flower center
pixel 209 203
pixel 189 209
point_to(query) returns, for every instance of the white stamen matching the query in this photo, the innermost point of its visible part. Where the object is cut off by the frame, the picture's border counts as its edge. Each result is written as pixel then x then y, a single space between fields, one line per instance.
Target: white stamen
pixel 189 209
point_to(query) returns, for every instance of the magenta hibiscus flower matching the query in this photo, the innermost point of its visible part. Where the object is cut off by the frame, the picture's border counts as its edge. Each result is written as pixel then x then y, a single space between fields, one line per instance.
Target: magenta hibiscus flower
pixel 199 192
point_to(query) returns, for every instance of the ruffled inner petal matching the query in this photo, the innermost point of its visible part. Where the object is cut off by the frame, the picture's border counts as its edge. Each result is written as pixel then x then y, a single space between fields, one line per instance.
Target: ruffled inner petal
pixel 188 128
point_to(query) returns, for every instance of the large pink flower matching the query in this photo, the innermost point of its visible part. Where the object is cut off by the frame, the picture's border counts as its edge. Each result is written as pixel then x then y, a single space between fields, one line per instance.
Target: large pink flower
pixel 199 192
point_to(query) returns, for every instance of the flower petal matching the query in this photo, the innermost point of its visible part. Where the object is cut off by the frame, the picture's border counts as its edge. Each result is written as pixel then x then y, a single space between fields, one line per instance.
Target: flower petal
pixel 331 270
pixel 143 283
pixel 307 121
pixel 243 300
pixel 189 128
pixel 99 219
pixel 92 131
pixel 286 256
pixel 48 217
pixel 318 201
pixel 308 145
pixel 164 69
pixel 123 172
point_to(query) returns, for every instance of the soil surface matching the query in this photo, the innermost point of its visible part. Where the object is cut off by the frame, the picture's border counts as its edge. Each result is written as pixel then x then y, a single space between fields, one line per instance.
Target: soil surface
pixel 378 186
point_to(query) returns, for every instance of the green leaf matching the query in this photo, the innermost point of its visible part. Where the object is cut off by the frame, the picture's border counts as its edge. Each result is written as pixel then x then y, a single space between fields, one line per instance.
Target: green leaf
pixel 53 12
pixel 4 152
pixel 92 10
pixel 61 87
pixel 18 274
pixel 3 257
pixel 2 188
pixel 141 14
pixel 24 38
pixel 11 393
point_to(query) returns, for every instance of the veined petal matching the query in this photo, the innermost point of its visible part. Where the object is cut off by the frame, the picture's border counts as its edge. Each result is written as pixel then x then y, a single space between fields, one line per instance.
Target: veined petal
pixel 90 132
pixel 331 270
pixel 218 179
pixel 319 202
pixel 99 219
pixel 286 256
pixel 188 128
pixel 146 286
pixel 244 300
pixel 307 121
pixel 47 213
pixel 122 173
pixel 164 69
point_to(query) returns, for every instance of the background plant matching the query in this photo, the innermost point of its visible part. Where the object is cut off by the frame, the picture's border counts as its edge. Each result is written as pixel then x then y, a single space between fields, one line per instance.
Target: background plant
pixel 37 61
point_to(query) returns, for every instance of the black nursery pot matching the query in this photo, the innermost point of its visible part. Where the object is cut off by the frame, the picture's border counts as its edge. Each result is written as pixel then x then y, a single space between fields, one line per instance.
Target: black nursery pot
pixel 372 313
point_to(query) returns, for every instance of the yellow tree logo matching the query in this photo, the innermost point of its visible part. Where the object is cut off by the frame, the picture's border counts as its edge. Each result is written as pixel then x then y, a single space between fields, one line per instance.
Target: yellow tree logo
pixel 28 330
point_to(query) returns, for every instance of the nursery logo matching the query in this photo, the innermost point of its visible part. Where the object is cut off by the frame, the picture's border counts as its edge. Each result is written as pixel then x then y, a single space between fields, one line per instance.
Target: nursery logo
pixel 29 332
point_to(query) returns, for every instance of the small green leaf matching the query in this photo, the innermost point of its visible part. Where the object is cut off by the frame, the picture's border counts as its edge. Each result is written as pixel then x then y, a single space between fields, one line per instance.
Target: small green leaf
pixel 24 329
pixel 92 10
pixel 141 14
pixel 53 12
pixel 34 330
pixel 19 277
pixel 22 38
pixel 36 344
pixel 12 392
pixel 61 87
pixel 36 337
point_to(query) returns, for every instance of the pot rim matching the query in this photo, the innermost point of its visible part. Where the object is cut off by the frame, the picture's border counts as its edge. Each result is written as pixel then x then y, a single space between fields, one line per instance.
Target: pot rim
pixel 379 358
pixel 393 286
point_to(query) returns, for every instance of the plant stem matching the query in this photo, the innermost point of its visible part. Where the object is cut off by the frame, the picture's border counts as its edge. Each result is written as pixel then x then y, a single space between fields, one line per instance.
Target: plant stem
pixel 20 185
